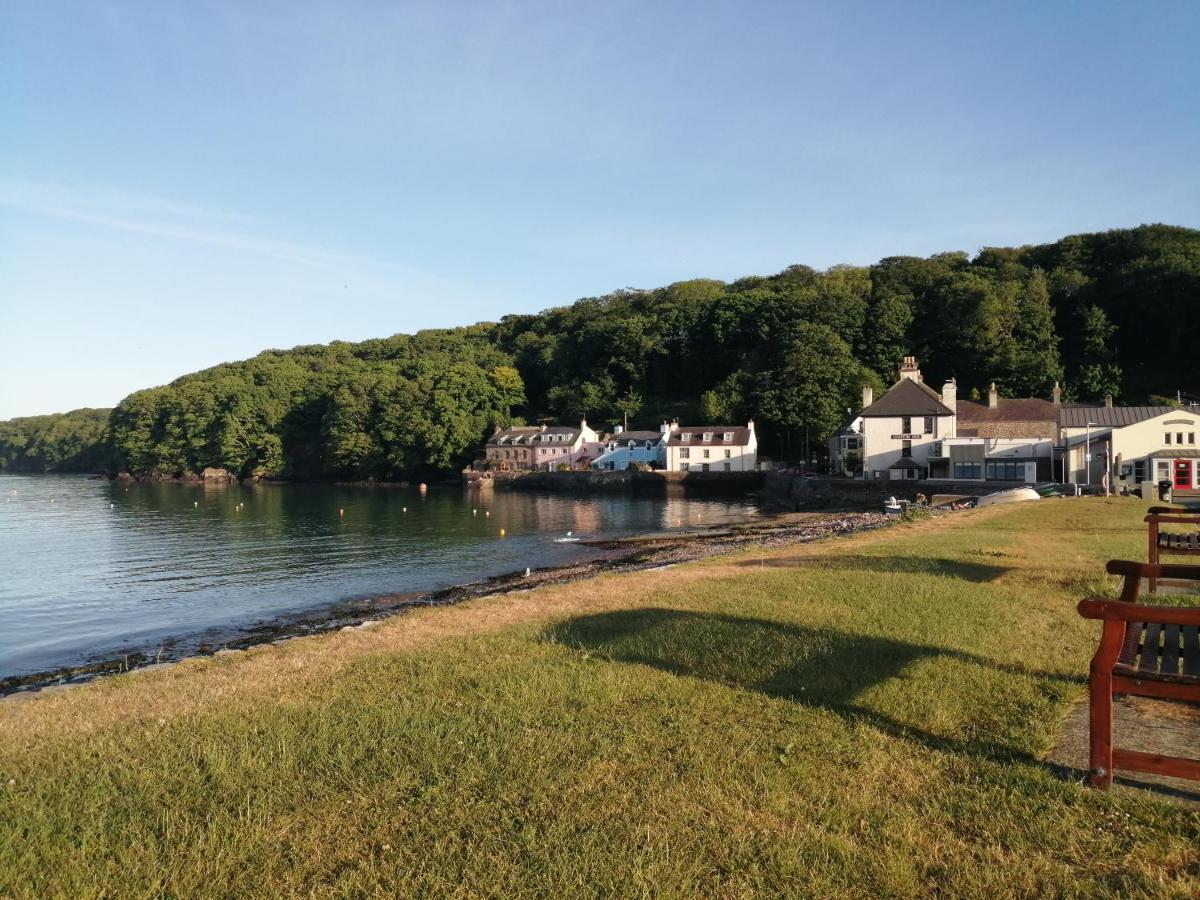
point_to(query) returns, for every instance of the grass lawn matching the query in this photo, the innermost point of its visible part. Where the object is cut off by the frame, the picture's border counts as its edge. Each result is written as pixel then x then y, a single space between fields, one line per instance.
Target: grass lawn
pixel 861 717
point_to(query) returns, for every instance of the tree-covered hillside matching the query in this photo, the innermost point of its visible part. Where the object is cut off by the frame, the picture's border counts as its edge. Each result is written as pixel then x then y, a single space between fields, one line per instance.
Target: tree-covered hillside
pixel 1112 312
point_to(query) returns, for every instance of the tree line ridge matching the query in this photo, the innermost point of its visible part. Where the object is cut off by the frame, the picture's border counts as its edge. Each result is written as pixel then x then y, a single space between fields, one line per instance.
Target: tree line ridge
pixel 1112 312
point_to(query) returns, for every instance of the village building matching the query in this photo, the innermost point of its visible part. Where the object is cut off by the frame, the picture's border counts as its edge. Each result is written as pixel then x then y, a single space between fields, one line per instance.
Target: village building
pixel 627 448
pixel 712 448
pixel 542 447
pixel 846 447
pixel 914 432
pixel 1131 445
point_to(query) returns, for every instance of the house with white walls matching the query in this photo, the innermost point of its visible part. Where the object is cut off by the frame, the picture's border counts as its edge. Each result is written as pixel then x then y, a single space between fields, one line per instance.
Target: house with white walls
pixel 914 432
pixel 712 448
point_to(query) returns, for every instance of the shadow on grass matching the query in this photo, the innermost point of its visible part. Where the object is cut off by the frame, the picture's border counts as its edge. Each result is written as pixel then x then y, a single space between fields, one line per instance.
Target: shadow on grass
pixel 821 668
pixel 888 565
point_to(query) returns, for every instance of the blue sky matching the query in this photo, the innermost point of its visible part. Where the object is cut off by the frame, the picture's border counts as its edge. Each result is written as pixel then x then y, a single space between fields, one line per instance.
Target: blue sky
pixel 187 183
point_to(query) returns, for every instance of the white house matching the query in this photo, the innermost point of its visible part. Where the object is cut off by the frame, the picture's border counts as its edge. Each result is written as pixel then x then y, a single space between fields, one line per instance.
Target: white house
pixel 914 432
pixel 712 448
pixel 901 428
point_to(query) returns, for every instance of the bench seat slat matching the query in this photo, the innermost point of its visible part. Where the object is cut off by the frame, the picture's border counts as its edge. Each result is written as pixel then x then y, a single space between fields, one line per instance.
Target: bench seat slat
pixel 1170 650
pixel 1148 663
pixel 1191 650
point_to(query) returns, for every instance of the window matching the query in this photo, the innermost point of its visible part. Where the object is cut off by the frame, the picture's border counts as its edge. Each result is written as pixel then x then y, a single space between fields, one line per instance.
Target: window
pixel 1191 437
pixel 704 466
pixel 968 470
pixel 708 435
pixel 1164 469
pixel 1167 439
pixel 1179 437
pixel 728 453
pixel 1139 470
pixel 685 437
pixel 1005 470
pixel 906 424
pixel 706 453
pixel 684 453
pixel 906 450
pixel 935 449
pixel 727 467
pixel 929 424
pixel 852 443
pixel 683 467
pixel 729 436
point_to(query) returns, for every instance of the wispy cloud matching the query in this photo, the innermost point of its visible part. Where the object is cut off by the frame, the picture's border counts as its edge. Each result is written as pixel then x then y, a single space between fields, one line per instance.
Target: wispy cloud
pixel 164 218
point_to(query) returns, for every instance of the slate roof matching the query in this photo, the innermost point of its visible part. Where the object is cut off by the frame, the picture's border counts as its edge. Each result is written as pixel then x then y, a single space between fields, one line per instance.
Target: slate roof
pixel 638 436
pixel 527 435
pixel 1010 418
pixel 740 433
pixel 904 463
pixel 1108 416
pixel 908 398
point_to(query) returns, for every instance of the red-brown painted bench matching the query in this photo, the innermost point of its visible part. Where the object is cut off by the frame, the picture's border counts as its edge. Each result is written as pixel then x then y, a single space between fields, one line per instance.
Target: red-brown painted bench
pixel 1160 542
pixel 1148 651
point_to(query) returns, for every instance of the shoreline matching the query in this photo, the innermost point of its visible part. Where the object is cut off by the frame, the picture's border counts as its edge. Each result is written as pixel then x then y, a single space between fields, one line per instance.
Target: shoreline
pixel 623 554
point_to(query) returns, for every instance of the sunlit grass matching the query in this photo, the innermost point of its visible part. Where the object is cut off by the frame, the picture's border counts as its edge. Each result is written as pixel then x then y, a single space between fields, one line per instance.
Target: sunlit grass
pixel 861 716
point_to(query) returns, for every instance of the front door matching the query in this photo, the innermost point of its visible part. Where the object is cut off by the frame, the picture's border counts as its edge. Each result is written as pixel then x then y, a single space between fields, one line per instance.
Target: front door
pixel 1183 474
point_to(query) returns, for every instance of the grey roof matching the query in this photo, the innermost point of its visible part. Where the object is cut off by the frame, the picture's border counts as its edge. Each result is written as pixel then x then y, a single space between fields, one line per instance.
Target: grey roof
pixel 908 398
pixel 1176 454
pixel 904 463
pixel 1108 416
pixel 635 436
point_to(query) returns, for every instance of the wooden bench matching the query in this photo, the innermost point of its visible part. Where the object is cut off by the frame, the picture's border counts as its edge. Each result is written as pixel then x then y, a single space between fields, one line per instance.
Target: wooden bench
pixel 1147 651
pixel 1160 542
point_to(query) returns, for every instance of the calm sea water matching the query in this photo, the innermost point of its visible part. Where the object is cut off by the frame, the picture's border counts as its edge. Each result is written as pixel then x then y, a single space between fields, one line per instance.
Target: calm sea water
pixel 89 568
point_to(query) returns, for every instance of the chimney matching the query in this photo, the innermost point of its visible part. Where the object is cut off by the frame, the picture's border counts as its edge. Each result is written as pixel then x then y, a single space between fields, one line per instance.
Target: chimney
pixel 665 428
pixel 950 395
pixel 750 426
pixel 1056 395
pixel 496 430
pixel 1108 400
pixel 993 396
pixel 617 429
pixel 908 369
pixel 543 426
pixel 868 396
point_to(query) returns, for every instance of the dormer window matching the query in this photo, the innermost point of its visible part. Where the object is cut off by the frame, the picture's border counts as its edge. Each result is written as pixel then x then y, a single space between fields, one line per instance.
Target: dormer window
pixel 708 436
pixel 728 436
pixel 685 437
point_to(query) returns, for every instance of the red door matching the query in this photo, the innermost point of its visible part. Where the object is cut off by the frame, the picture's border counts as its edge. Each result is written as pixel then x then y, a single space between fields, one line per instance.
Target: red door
pixel 1183 474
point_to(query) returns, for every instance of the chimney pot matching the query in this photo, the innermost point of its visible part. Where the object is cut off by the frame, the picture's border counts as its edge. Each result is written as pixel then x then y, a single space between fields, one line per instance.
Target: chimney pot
pixel 1108 400
pixel 993 396
pixel 1056 395
pixel 868 396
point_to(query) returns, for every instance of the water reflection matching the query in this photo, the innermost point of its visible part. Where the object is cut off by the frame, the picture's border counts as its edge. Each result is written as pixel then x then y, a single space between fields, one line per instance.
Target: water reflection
pixel 92 566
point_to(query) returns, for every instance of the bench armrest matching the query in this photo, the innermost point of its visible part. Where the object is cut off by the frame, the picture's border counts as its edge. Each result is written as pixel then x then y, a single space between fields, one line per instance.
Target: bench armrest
pixel 1178 519
pixel 1120 611
pixel 1148 570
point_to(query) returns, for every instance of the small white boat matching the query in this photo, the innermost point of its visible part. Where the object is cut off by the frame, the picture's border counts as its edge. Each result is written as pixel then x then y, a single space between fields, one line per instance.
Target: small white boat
pixel 1015 495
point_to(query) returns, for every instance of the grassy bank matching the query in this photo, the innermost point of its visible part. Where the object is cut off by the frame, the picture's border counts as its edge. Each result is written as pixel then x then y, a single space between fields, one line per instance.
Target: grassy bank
pixel 857 716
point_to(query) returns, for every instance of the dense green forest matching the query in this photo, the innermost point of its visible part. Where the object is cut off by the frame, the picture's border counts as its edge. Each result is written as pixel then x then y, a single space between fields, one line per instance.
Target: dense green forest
pixel 1106 313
